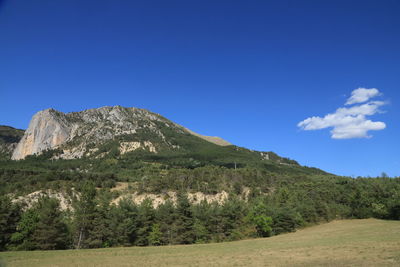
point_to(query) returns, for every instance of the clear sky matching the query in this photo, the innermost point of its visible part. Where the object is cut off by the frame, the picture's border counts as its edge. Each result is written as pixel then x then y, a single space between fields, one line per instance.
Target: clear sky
pixel 248 71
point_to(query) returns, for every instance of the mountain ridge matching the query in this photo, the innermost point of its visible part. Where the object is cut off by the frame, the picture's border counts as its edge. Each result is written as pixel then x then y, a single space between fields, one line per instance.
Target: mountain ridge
pixel 120 135
pixel 51 129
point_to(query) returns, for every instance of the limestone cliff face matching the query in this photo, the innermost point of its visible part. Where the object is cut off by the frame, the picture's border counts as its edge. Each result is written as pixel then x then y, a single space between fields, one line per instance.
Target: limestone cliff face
pixel 47 129
pixel 78 134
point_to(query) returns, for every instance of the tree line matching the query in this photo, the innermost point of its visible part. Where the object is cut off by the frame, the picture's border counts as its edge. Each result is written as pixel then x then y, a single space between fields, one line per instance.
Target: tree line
pixel 94 222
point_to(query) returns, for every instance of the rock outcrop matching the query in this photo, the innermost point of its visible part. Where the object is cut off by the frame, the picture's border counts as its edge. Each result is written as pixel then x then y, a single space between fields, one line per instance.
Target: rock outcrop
pixel 161 198
pixel 77 134
pixel 47 129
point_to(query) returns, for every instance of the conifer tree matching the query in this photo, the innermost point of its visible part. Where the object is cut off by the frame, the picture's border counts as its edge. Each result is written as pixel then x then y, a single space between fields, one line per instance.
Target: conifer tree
pixel 145 219
pixel 51 230
pixel 183 225
pixel 22 238
pixel 124 221
pixel 84 214
pixel 9 217
pixel 165 217
pixel 155 235
pixel 99 234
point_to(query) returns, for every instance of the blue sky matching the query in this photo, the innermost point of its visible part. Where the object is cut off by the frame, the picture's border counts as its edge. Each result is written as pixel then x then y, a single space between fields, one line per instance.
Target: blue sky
pixel 248 71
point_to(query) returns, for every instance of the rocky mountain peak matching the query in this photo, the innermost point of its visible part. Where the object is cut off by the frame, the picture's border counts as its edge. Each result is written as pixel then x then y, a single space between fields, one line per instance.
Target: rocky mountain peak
pixel 77 134
pixel 47 129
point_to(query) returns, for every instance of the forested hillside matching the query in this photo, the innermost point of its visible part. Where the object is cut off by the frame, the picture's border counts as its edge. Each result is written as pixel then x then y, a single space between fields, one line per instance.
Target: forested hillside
pixel 276 202
pixel 119 176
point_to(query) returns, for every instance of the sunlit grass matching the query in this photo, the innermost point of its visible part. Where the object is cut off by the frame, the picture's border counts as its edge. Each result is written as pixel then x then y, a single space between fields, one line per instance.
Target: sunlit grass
pixel 368 242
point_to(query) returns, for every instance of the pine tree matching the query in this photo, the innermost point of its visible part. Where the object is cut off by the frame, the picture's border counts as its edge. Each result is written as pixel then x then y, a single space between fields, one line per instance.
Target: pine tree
pixel 99 234
pixel 84 214
pixel 155 235
pixel 165 217
pixel 51 231
pixel 22 238
pixel 124 222
pixel 183 226
pixel 200 232
pixel 233 212
pixel 145 219
pixel 9 217
pixel 204 220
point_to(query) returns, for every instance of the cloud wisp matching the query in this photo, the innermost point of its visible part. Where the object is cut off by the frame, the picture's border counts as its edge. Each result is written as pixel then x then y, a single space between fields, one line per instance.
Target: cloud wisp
pixel 350 122
pixel 362 95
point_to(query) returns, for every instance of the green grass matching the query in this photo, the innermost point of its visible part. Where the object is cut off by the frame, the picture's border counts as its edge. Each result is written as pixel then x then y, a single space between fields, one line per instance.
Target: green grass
pixel 367 242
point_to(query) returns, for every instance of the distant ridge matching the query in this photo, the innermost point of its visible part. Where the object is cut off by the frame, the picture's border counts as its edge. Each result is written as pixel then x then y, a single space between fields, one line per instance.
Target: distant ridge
pixel 213 139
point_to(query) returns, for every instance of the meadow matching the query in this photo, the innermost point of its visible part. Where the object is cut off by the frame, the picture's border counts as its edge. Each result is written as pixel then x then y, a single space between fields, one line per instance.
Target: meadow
pixel 367 242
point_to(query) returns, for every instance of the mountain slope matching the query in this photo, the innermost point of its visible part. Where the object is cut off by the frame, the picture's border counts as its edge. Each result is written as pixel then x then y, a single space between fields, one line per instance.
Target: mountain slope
pixel 117 144
pixel 126 132
pixel 79 134
pixel 9 138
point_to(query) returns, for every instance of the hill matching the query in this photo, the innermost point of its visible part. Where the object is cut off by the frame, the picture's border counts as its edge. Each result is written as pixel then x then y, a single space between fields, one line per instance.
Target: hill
pixel 118 144
pixel 128 132
pixel 117 176
pixel 368 242
pixel 9 138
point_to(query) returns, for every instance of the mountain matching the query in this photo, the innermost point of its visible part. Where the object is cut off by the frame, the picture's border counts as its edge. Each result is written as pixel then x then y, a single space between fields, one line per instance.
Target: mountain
pixel 9 138
pixel 170 185
pixel 122 132
pixel 79 134
pixel 110 145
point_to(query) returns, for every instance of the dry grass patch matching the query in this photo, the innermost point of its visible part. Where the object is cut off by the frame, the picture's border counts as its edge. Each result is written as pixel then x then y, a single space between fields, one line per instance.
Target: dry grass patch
pixel 120 186
pixel 368 242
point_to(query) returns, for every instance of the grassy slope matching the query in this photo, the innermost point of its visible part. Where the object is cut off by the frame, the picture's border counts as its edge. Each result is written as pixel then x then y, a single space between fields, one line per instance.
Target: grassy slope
pixel 367 242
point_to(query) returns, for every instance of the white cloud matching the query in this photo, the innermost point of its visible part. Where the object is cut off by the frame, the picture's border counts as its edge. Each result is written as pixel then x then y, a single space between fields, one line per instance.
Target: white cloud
pixel 361 95
pixel 349 122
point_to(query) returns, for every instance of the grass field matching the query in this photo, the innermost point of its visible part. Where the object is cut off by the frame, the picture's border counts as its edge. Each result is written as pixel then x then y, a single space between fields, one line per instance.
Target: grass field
pixel 368 242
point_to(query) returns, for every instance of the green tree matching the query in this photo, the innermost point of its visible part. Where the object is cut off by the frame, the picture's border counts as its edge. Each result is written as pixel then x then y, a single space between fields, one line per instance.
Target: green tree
pixel 50 231
pixel 379 210
pixel 233 213
pixel 9 217
pixel 165 217
pixel 394 210
pixel 203 221
pixel 22 238
pixel 200 232
pixel 183 226
pixel 145 220
pixel 84 214
pixel 263 225
pixel 262 222
pixel 155 235
pixel 286 220
pixel 100 234
pixel 124 222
